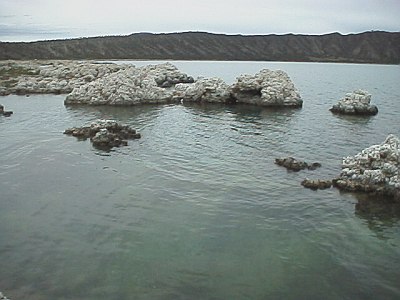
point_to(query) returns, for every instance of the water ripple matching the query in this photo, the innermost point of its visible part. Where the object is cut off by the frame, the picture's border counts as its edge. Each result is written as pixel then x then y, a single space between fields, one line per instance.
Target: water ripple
pixel 197 206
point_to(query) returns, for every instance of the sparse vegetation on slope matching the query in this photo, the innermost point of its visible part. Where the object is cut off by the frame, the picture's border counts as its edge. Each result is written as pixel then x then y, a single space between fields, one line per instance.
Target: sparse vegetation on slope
pixel 368 47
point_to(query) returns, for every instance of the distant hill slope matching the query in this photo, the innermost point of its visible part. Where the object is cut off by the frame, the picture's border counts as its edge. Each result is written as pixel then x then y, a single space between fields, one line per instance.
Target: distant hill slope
pixel 368 47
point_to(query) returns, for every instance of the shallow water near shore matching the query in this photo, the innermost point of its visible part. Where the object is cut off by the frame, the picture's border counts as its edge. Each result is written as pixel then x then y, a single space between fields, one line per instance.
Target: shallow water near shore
pixel 196 208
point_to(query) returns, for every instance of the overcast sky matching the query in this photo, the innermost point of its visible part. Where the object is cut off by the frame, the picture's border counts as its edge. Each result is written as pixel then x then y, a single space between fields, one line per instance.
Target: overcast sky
pixel 29 20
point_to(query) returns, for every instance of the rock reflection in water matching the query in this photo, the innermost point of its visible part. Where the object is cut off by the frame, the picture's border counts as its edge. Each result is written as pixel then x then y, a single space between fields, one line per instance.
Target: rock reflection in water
pixel 380 213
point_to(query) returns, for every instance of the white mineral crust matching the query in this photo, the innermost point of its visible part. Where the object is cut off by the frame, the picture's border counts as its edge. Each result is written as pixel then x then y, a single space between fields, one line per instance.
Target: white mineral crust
pixel 357 102
pixel 377 164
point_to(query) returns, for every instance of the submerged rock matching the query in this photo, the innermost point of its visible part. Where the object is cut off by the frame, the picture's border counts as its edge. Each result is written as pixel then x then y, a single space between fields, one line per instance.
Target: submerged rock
pixel 316 184
pixel 293 164
pixel 106 139
pixel 104 133
pixel 375 169
pixel 266 88
pixel 355 103
pixel 5 113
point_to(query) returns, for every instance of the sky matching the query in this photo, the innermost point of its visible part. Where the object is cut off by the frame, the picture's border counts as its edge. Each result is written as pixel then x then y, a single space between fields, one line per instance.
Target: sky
pixel 31 20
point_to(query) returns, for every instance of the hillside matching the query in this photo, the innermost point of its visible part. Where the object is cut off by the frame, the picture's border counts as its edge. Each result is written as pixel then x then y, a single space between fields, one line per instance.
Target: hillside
pixel 368 47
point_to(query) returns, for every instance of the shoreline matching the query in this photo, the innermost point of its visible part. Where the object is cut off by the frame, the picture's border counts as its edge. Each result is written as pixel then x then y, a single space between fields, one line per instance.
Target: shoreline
pixel 113 60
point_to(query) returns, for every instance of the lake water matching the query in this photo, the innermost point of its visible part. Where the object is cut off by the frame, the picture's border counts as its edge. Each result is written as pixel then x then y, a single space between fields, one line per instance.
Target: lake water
pixel 197 209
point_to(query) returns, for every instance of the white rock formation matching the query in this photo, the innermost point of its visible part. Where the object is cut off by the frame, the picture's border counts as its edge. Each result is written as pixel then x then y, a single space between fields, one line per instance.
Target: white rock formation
pixel 374 169
pixel 165 83
pixel 95 83
pixel 267 88
pixel 131 86
pixel 47 77
pixel 203 90
pixel 355 103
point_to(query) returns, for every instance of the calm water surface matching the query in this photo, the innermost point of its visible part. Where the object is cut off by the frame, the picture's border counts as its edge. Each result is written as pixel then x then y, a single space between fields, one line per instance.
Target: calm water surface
pixel 197 209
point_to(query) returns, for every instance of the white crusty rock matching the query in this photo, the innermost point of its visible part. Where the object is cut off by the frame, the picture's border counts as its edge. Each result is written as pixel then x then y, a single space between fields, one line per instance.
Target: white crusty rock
pixel 93 83
pixel 164 83
pixel 355 103
pixel 266 88
pixel 50 77
pixel 203 90
pixel 131 86
pixel 374 169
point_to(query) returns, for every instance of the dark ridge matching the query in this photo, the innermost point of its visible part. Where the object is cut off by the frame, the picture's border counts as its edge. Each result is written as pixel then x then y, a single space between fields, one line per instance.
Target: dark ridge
pixel 368 47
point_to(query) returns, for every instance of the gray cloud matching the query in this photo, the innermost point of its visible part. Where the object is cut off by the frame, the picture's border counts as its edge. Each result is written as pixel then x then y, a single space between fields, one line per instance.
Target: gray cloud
pixel 53 18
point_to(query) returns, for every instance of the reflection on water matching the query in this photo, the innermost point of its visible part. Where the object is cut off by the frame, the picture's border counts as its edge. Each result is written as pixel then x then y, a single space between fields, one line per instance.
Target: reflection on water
pixel 355 119
pixel 245 113
pixel 379 212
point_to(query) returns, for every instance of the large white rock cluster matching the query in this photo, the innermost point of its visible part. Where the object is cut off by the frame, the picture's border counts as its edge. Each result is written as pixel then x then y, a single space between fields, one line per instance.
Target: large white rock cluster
pixel 94 83
pixel 165 83
pixel 267 88
pixel 130 86
pixel 51 77
pixel 355 103
pixel 374 169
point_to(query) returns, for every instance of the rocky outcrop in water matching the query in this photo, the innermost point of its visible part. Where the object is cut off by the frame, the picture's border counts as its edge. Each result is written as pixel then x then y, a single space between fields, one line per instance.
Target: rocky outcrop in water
pixel 131 86
pixel 375 169
pixel 266 88
pixel 203 90
pixel 50 77
pixel 104 134
pixel 92 83
pixel 316 184
pixel 5 113
pixel 164 83
pixel 293 164
pixel 355 103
